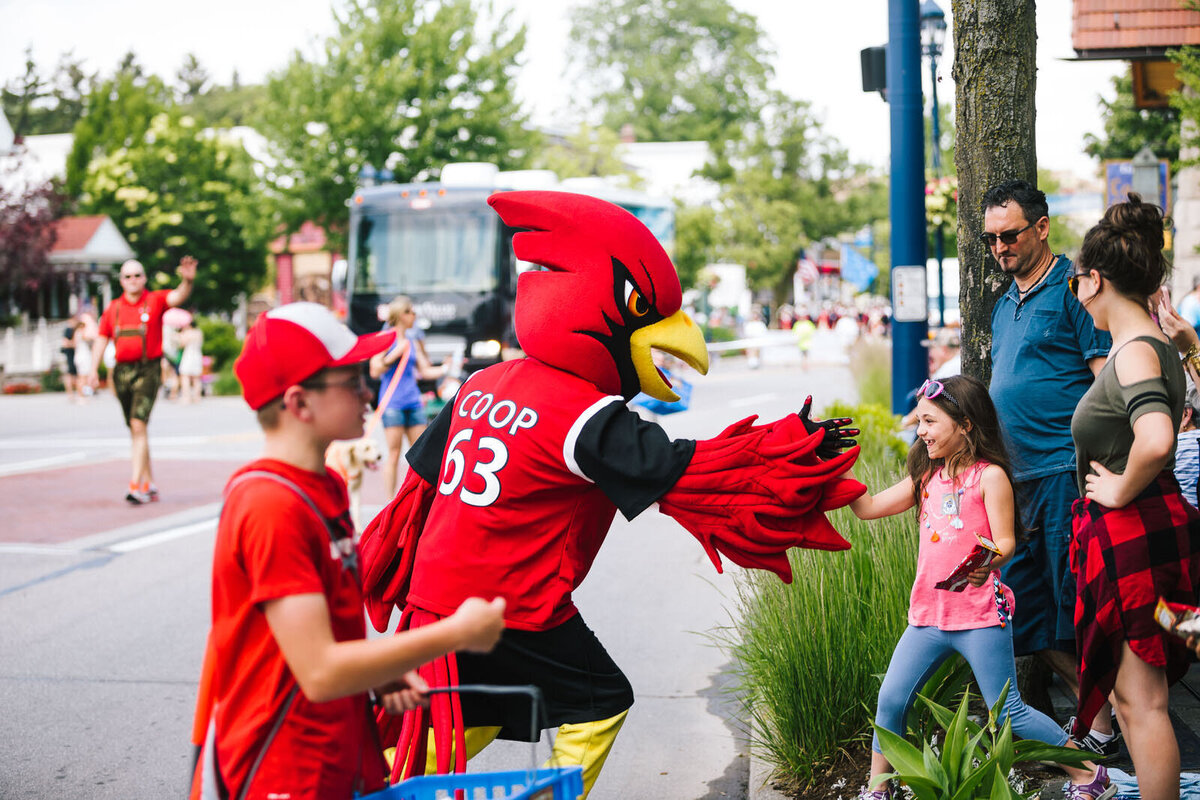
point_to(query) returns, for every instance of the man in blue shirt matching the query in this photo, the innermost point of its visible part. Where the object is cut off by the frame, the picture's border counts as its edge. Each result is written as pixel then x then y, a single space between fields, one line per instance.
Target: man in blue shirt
pixel 1045 354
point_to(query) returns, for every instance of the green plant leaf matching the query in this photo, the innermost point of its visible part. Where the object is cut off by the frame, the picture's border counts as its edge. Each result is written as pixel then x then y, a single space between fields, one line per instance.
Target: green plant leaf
pixel 905 759
pixel 956 736
pixel 1003 751
pixel 934 769
pixel 1033 750
pixel 966 768
pixel 972 780
pixel 1000 788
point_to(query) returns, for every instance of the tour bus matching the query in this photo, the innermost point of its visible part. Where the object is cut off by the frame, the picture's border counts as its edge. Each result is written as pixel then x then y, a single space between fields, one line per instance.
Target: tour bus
pixel 441 244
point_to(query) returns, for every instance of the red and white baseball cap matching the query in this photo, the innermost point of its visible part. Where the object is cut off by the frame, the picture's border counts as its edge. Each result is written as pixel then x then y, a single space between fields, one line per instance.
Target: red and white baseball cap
pixel 290 344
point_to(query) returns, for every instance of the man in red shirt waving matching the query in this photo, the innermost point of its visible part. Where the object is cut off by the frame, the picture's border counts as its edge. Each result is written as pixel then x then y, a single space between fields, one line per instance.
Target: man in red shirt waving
pixel 134 322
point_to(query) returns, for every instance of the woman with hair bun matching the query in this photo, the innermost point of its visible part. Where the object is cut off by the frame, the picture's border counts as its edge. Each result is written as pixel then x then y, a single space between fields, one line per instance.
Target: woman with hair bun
pixel 1135 537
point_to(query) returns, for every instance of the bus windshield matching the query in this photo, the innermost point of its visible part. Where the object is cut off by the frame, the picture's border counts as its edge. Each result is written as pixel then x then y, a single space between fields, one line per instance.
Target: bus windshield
pixel 425 251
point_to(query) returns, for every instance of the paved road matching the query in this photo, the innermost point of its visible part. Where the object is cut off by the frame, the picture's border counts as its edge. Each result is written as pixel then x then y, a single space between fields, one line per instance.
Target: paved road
pixel 103 607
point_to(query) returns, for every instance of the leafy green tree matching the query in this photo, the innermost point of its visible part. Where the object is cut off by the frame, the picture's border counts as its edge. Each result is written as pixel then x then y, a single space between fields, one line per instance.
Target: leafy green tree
pixel 1187 102
pixel 21 96
pixel 798 186
pixel 227 106
pixel 697 238
pixel 407 85
pixel 585 153
pixel 116 114
pixel 1127 129
pixel 35 104
pixel 676 70
pixel 178 191
pixel 192 78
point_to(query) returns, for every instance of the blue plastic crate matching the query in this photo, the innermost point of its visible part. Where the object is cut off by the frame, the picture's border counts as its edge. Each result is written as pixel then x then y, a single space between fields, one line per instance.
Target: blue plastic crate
pixel 682 388
pixel 554 783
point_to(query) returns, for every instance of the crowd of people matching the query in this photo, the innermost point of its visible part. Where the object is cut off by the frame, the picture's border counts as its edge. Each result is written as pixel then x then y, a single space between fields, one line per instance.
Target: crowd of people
pixel 1078 464
pixel 1084 445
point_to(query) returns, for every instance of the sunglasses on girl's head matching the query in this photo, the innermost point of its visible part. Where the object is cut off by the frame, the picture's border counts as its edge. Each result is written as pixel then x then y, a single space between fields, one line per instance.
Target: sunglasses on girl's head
pixel 931 389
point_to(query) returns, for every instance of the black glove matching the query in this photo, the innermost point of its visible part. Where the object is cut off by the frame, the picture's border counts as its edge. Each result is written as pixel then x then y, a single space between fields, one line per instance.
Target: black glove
pixel 837 435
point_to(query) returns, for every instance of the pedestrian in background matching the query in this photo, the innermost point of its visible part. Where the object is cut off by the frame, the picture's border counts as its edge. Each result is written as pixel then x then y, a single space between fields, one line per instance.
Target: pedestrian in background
pixel 1045 354
pixel 404 411
pixel 1187 447
pixel 134 322
pixel 191 362
pixel 1136 538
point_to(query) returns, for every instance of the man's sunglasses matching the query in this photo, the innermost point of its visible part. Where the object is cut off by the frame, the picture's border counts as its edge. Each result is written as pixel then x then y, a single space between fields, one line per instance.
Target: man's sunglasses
pixel 931 389
pixel 1008 237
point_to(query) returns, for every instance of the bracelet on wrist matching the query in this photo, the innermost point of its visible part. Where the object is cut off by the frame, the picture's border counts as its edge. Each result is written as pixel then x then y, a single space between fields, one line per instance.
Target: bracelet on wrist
pixel 1192 352
pixel 1194 361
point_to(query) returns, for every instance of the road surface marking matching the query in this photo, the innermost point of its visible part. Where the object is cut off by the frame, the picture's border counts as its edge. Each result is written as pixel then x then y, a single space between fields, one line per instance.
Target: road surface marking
pixel 161 537
pixel 39 550
pixel 40 463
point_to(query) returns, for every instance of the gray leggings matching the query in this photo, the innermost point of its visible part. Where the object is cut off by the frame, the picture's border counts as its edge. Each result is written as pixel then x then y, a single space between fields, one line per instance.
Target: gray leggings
pixel 989 651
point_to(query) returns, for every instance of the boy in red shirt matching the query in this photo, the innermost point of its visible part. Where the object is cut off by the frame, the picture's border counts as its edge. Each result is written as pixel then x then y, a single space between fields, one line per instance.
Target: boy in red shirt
pixel 283 709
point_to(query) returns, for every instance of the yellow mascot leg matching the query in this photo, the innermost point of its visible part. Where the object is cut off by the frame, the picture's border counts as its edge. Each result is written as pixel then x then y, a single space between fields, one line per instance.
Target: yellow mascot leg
pixel 476 739
pixel 586 744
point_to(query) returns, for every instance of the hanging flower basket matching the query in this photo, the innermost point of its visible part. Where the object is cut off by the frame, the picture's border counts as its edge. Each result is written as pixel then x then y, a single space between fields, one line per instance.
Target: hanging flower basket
pixel 941 201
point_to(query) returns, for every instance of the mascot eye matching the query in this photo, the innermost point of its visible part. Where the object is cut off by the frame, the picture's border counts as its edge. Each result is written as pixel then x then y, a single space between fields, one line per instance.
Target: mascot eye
pixel 634 301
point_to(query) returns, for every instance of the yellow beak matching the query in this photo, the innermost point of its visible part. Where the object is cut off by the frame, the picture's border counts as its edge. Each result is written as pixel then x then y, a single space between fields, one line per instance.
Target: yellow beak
pixel 676 335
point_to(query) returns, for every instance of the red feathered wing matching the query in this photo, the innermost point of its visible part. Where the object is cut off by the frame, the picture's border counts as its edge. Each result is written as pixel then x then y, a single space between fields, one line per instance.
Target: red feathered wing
pixel 389 545
pixel 754 491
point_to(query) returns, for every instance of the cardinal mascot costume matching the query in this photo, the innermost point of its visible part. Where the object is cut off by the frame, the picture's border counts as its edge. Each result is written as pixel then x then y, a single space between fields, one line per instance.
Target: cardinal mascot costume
pixel 514 485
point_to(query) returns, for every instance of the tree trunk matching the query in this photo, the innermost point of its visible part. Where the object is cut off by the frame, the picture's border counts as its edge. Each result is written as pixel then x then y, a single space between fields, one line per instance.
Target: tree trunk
pixel 995 54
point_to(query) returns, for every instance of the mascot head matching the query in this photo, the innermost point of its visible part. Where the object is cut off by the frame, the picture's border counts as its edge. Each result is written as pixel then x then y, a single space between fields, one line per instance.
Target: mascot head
pixel 607 295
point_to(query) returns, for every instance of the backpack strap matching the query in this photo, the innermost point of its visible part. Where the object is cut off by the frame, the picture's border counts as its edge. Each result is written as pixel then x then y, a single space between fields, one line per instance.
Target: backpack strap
pixel 211 780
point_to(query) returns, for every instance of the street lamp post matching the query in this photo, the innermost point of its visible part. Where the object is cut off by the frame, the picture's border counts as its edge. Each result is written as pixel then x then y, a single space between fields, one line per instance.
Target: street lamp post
pixel 933 38
pixel 906 192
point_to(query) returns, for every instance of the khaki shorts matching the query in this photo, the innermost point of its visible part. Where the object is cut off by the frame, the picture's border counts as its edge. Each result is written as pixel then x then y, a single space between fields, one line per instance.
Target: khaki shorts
pixel 137 384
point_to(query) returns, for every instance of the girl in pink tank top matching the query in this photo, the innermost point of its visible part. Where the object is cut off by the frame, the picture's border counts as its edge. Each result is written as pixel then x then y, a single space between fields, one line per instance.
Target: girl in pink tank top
pixel 961 485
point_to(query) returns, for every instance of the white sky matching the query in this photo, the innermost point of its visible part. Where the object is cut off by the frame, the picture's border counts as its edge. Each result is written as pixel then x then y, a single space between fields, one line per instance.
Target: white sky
pixel 817 42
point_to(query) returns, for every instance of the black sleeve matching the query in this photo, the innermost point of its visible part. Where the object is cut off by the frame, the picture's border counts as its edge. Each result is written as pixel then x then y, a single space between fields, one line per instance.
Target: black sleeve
pixel 425 455
pixel 632 461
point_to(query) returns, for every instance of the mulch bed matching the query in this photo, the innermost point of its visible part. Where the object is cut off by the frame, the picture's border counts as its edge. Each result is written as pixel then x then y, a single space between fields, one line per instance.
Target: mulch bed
pixel 845 778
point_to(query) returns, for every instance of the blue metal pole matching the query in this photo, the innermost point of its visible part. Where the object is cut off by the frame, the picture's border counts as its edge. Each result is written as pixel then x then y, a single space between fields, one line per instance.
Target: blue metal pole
pixel 936 151
pixel 906 203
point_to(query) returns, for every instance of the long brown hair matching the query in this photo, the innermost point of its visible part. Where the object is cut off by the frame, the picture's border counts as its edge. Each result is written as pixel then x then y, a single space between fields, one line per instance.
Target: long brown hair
pixel 972 409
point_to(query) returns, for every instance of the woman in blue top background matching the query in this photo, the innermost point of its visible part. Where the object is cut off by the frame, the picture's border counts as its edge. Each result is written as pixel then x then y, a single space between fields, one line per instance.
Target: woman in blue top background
pixel 404 415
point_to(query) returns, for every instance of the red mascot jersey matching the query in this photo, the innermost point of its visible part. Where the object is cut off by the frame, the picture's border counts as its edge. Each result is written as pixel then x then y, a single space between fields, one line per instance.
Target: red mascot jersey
pixel 530 464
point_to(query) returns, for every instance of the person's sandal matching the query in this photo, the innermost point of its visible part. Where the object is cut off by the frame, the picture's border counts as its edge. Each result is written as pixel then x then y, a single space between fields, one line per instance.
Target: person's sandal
pixel 884 792
pixel 1099 789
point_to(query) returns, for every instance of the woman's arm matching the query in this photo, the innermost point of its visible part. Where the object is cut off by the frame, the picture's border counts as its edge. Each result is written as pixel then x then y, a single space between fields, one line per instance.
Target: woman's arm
pixel 1153 437
pixel 382 362
pixel 425 370
pixel 998 504
pixel 893 500
pixel 1182 334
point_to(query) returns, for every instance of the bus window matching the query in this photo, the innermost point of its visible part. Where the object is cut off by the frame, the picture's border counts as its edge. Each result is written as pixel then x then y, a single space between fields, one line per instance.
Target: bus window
pixel 434 250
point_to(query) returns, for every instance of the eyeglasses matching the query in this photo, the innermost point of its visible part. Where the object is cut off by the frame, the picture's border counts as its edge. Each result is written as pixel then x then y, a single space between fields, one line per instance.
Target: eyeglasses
pixel 133 275
pixel 356 384
pixel 1008 237
pixel 931 389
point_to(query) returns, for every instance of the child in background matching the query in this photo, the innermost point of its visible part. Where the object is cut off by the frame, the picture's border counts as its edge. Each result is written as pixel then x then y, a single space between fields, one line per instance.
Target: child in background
pixel 959 478
pixel 283 709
